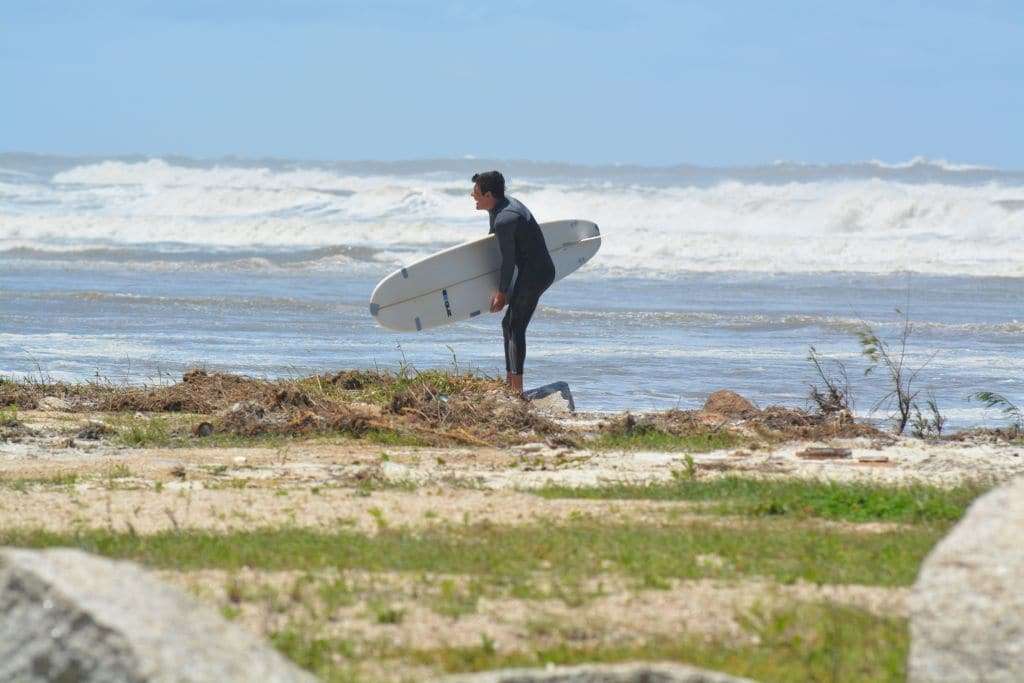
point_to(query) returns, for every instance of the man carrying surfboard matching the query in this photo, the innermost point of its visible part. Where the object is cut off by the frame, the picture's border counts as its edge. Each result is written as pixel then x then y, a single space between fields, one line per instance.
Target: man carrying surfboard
pixel 524 253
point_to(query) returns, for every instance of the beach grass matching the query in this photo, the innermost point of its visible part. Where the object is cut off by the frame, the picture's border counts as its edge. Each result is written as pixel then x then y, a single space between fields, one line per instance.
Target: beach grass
pixel 764 497
pixel 652 439
pixel 24 484
pixel 653 553
pixel 806 642
pixel 177 431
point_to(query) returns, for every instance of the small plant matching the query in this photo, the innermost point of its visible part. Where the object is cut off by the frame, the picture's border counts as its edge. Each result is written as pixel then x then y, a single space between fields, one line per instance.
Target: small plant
pixel 892 357
pixel 378 517
pixel 119 471
pixel 142 433
pixel 834 396
pixel 1010 409
pixel 9 417
pixel 689 471
pixel 487 645
pixel 390 615
pixel 928 426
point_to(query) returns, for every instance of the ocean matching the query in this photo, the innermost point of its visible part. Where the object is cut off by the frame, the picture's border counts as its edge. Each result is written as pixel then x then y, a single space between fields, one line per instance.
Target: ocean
pixel 133 269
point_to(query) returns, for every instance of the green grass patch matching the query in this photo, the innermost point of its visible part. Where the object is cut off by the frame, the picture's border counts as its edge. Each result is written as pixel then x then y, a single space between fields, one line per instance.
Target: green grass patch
pixel 176 432
pixel 847 501
pixel 809 642
pixel 317 655
pixel 9 416
pixel 23 484
pixel 652 439
pixel 143 433
pixel 651 553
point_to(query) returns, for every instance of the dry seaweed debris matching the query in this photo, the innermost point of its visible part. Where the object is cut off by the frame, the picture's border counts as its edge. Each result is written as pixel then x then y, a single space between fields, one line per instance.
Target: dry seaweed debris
pixel 774 423
pixel 433 407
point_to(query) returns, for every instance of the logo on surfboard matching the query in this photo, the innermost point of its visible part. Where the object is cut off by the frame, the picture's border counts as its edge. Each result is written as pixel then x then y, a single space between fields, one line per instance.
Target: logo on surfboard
pixel 447 306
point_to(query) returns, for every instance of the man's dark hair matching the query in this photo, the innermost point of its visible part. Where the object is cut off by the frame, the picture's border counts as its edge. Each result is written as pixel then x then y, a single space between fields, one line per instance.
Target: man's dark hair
pixel 491 181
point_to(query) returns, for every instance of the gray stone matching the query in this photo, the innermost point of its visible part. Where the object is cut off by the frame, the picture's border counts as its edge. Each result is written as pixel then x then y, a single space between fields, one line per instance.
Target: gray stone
pixel 69 616
pixel 54 403
pixel 602 673
pixel 967 606
pixel 554 397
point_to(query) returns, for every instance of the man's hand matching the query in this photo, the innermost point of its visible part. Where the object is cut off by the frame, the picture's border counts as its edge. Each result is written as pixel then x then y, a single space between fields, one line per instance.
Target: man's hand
pixel 498 302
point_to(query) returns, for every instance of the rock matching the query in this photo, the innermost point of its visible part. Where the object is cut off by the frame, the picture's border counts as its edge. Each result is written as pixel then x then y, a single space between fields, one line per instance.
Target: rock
pixel 53 403
pixel 636 672
pixel 69 616
pixel 554 398
pixel 730 404
pixel 967 606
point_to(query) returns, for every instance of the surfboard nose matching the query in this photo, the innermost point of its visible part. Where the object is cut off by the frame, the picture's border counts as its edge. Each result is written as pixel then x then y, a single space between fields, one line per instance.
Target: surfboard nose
pixel 374 309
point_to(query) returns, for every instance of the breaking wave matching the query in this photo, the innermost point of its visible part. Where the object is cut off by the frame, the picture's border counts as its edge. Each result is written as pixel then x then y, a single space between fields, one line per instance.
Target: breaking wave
pixel 923 216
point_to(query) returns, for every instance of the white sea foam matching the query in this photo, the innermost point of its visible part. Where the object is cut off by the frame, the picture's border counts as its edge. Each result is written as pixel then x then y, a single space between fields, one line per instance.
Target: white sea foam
pixel 825 223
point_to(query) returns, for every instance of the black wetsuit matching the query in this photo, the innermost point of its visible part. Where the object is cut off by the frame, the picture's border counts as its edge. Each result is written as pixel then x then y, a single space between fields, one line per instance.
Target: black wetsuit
pixel 523 249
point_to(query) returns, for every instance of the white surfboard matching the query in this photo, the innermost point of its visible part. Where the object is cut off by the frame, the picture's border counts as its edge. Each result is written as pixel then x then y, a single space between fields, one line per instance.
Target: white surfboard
pixel 457 283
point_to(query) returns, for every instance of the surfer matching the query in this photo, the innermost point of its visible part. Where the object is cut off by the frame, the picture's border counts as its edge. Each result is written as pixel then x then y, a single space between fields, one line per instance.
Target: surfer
pixel 523 250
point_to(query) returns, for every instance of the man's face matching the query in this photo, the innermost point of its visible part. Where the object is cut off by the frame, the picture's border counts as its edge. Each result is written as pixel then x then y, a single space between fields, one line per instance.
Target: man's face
pixel 484 202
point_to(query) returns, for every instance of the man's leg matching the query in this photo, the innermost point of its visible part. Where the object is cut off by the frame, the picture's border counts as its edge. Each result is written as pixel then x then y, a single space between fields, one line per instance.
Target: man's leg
pixel 506 332
pixel 520 311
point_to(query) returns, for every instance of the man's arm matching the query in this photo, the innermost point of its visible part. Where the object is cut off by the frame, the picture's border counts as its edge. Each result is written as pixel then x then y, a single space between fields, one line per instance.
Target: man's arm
pixel 505 229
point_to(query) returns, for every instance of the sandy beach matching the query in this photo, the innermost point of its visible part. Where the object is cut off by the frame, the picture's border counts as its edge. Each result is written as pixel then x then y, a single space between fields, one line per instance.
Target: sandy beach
pixel 70 476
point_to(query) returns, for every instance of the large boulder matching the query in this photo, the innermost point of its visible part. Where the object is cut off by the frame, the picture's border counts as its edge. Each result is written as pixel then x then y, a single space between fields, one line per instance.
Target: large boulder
pixel 602 673
pixel 967 606
pixel 69 616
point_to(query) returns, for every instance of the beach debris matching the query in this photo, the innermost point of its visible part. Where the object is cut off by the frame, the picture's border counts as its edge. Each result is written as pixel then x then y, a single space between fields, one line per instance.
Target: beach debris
pixel 68 615
pixel 729 404
pixel 824 453
pixel 93 430
pixel 54 404
pixel 178 471
pixel 244 417
pixel 967 606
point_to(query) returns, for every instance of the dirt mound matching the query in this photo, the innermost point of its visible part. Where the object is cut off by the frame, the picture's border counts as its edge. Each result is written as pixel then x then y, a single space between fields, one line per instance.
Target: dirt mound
pixel 729 404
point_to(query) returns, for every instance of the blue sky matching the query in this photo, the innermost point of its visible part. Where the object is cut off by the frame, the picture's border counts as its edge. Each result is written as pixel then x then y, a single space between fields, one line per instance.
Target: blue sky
pixel 646 81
